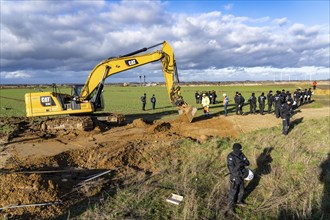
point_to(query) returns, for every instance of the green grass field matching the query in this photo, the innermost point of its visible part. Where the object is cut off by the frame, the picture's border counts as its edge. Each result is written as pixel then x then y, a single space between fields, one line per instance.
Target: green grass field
pixel 126 100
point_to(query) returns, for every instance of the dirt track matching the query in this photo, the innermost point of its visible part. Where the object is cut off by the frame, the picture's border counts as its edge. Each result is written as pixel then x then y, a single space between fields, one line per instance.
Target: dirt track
pixel 68 159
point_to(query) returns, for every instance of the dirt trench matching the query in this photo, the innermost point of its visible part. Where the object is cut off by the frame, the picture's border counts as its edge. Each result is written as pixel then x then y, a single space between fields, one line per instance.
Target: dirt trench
pixel 45 174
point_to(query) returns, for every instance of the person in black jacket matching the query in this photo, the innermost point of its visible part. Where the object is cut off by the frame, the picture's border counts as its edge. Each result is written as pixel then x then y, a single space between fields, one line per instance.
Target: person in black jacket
pixel 241 103
pixel 253 103
pixel 286 112
pixel 262 99
pixel 236 162
pixel 270 99
pixel 237 101
pixel 153 101
pixel 144 101
pixel 278 99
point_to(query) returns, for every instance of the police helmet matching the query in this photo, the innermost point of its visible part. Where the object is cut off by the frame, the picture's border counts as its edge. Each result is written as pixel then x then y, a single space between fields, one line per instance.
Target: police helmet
pixel 248 174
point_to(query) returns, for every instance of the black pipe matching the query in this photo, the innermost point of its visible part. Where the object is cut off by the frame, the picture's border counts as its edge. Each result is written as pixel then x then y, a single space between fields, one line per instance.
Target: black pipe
pixel 141 50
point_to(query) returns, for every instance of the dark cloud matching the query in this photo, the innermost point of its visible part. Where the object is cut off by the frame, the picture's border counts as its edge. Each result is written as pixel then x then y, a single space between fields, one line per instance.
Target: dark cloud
pixel 63 40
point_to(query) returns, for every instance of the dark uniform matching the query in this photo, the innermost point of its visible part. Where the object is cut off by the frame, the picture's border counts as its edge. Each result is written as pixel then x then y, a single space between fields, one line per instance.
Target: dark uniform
pixel 296 96
pixel 236 100
pixel 270 99
pixel 214 94
pixel 253 103
pixel 278 99
pixel 153 102
pixel 211 97
pixel 241 103
pixel 309 95
pixel 236 162
pixel 286 112
pixel 262 99
pixel 197 97
pixel 144 101
pixel 305 96
pixel 301 98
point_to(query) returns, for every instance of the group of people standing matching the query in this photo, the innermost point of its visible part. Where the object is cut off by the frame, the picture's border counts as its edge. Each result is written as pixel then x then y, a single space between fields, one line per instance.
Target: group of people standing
pixel 237 162
pixel 144 101
pixel 282 101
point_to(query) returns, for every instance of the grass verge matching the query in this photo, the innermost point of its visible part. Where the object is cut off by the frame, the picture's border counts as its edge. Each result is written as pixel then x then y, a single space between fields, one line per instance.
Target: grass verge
pixel 291 179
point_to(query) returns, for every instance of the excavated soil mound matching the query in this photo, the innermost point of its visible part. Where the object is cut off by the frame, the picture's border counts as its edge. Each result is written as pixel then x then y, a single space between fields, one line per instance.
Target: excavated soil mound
pixel 22 189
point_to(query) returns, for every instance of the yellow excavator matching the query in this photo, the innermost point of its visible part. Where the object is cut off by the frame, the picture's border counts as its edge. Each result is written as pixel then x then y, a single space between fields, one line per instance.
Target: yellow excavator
pixel 85 100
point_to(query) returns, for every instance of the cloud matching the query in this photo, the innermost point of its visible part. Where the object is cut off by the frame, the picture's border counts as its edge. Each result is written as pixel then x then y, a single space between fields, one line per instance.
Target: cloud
pixel 64 40
pixel 228 7
pixel 15 75
pixel 281 21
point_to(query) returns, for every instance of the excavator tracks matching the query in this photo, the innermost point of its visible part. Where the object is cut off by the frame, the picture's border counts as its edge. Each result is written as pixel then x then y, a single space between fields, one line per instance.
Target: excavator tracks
pixel 82 123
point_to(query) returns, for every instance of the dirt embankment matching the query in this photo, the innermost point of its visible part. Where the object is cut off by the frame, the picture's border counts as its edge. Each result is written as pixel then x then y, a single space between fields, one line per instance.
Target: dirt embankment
pixel 43 174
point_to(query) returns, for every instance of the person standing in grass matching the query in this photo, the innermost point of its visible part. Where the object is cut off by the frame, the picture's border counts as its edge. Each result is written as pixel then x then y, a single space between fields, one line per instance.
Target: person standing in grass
pixel 206 105
pixel 153 101
pixel 236 100
pixel 262 99
pixel 225 103
pixel 314 85
pixel 270 99
pixel 286 112
pixel 241 103
pixel 253 103
pixel 144 101
pixel 236 162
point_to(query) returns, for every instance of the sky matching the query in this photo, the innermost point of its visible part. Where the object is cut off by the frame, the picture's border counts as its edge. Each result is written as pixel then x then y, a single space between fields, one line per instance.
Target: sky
pixel 60 41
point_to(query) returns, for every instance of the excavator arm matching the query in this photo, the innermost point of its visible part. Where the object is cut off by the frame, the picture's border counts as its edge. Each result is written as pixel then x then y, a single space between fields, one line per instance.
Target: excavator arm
pixel 87 100
pixel 132 60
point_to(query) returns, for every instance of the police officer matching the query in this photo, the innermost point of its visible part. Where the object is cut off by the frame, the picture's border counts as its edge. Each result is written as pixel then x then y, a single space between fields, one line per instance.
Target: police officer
pixel 278 99
pixel 286 112
pixel 240 103
pixel 270 99
pixel 236 100
pixel 253 103
pixel 214 94
pixel 262 99
pixel 296 96
pixel 197 97
pixel 144 101
pixel 236 162
pixel 153 101
pixel 309 95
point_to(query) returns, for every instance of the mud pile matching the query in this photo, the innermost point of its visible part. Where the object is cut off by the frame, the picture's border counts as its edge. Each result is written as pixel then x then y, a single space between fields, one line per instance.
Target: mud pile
pixel 45 175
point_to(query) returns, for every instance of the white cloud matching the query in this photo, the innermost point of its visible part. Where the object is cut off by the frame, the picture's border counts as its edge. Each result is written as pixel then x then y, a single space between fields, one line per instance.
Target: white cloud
pixel 64 38
pixel 14 75
pixel 281 21
pixel 228 7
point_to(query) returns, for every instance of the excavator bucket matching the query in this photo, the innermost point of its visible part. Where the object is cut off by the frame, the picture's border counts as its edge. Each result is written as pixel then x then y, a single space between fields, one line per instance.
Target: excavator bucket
pixel 187 112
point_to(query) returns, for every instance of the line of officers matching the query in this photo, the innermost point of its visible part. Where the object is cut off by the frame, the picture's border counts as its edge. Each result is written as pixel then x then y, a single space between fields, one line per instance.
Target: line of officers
pixel 283 102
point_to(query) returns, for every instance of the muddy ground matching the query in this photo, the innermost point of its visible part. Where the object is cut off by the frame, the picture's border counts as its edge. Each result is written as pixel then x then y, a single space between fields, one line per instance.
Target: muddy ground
pixel 44 174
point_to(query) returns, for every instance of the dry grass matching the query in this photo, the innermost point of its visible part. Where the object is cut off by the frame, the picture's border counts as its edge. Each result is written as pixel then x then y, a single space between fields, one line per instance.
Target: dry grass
pixel 291 179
